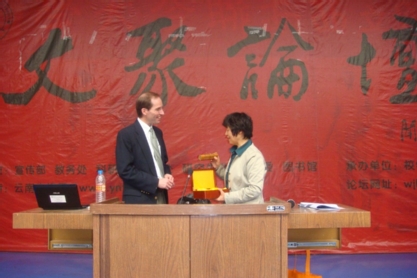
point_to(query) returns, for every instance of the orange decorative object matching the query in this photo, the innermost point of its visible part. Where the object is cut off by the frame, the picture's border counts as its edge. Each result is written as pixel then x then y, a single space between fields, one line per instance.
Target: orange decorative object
pixel 207 156
pixel 293 273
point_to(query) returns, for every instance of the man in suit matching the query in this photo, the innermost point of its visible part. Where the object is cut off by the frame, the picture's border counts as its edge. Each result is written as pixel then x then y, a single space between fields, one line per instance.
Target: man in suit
pixel 141 164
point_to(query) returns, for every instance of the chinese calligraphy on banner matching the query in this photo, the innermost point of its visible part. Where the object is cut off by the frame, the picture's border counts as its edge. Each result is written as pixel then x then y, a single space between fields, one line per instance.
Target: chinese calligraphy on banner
pixel 330 86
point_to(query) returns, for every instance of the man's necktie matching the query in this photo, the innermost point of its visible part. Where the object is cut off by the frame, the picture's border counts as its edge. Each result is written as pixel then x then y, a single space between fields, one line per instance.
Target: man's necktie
pixel 156 152
pixel 160 194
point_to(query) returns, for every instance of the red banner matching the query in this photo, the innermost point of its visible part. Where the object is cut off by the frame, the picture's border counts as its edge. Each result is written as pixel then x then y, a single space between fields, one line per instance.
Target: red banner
pixel 330 86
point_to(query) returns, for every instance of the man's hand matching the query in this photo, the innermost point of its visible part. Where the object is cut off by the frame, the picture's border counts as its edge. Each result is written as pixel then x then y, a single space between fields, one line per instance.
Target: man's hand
pixel 169 177
pixel 166 182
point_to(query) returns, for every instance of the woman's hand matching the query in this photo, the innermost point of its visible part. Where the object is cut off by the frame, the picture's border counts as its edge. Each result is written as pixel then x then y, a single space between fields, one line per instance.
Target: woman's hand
pixel 221 197
pixel 215 162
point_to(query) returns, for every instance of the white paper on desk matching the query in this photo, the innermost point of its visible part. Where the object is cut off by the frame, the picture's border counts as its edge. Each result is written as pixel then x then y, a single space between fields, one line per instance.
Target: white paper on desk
pixel 320 206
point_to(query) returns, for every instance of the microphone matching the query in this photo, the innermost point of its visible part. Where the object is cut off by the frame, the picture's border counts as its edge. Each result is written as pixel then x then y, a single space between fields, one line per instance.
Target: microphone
pixel 292 202
pixel 190 171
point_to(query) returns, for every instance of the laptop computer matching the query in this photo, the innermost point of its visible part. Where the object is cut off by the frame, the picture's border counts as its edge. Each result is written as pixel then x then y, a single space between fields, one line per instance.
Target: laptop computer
pixel 58 196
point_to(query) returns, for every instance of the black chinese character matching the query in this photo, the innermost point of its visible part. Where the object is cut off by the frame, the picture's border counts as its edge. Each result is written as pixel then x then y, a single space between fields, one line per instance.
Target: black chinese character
pixel 278 77
pixel 53 47
pixel 408 130
pixel 404 52
pixel 152 42
pixel 364 57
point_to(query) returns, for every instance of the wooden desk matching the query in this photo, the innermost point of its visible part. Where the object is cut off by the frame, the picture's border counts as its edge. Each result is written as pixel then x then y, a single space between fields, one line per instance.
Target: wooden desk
pixel 190 240
pixel 315 229
pixel 67 229
pixel 304 225
pixel 299 218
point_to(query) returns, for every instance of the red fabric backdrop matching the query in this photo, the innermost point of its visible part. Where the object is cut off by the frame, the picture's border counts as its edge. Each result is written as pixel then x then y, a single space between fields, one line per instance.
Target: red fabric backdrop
pixel 330 86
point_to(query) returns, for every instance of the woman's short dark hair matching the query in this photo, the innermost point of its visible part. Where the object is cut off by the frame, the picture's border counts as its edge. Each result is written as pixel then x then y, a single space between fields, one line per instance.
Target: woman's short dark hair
pixel 145 101
pixel 239 122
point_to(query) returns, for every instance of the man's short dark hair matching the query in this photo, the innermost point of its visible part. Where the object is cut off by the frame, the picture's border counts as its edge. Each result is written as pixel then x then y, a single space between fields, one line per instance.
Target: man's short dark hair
pixel 145 101
pixel 239 122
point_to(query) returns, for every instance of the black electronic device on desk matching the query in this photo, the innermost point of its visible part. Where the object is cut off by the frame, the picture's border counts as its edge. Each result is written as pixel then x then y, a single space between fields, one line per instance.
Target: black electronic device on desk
pixel 189 199
pixel 58 196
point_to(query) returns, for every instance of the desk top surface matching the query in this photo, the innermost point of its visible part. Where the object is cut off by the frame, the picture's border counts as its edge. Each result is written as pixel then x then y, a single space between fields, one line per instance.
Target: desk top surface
pixel 345 217
pixel 53 219
pixel 298 218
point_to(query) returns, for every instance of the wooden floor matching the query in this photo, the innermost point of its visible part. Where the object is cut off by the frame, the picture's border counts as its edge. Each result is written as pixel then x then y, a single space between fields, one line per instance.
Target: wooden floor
pixel 60 265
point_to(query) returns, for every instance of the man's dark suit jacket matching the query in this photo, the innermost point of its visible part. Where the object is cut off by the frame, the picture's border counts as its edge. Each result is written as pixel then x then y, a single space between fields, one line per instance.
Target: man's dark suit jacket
pixel 135 164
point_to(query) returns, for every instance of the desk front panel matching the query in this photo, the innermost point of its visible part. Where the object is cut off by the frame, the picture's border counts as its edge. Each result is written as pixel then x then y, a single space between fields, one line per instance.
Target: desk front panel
pixel 141 246
pixel 53 219
pixel 239 246
pixel 348 217
pixel 298 218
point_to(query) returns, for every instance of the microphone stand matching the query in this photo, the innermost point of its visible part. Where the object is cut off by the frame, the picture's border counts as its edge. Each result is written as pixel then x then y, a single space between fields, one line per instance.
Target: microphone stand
pixel 186 183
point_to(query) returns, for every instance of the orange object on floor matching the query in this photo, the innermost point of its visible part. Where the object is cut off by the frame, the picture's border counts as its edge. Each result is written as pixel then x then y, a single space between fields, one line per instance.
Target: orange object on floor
pixel 293 273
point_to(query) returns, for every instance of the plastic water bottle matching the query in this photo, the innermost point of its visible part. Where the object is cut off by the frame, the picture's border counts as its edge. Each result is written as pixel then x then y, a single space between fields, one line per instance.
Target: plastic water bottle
pixel 100 187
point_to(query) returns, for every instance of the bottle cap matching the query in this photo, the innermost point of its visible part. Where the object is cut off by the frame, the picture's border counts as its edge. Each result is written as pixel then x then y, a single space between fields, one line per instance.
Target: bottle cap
pixel 100 172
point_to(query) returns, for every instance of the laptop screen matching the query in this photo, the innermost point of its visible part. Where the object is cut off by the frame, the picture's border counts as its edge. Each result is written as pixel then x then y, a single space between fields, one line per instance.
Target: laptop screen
pixel 57 196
